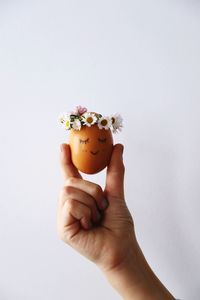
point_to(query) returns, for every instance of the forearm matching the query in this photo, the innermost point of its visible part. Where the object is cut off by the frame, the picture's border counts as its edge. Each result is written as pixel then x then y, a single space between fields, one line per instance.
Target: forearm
pixel 134 279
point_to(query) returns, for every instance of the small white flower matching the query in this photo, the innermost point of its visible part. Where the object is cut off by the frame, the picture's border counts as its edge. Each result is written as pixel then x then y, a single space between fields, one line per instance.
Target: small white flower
pixel 117 122
pixel 104 122
pixel 89 119
pixel 61 118
pixel 67 123
pixel 76 124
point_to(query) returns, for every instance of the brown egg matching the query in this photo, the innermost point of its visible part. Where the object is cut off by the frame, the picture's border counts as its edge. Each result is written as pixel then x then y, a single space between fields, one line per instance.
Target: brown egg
pixel 91 148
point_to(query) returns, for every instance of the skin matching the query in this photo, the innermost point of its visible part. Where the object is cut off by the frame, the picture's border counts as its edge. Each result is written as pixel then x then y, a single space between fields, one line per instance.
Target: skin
pixel 91 148
pixel 97 223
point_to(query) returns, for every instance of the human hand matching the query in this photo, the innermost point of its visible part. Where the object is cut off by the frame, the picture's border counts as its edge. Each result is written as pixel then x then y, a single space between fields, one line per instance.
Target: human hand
pixel 97 223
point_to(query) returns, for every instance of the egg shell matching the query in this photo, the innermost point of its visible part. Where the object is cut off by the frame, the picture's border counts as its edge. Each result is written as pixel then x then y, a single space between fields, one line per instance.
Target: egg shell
pixel 91 148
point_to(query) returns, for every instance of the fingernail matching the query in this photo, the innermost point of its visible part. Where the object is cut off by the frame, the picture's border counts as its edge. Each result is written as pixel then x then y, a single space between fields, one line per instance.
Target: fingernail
pixel 104 203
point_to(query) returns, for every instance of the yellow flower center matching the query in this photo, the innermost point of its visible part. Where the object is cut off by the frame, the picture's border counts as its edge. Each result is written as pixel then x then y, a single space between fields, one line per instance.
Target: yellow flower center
pixel 113 120
pixel 104 122
pixel 89 120
pixel 67 123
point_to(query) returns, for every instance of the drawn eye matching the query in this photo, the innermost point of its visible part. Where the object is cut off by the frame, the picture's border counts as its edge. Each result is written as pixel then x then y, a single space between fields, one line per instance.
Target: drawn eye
pixel 84 141
pixel 102 140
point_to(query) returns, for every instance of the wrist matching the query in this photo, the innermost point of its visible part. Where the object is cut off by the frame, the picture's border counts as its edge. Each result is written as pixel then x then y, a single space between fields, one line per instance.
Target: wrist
pixel 134 279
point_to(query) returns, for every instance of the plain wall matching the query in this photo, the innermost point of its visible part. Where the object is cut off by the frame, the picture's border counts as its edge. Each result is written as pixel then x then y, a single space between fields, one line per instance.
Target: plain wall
pixel 139 58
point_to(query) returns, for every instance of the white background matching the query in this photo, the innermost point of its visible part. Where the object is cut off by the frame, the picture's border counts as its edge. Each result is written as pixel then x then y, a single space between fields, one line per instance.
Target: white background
pixel 140 58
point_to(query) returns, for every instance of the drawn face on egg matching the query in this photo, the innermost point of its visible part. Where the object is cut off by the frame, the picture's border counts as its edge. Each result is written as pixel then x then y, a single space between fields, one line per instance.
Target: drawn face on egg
pixel 91 148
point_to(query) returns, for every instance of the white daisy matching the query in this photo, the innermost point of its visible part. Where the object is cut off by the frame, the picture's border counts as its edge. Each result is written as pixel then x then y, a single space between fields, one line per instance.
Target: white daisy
pixel 61 118
pixel 117 122
pixel 89 119
pixel 76 124
pixel 67 123
pixel 104 122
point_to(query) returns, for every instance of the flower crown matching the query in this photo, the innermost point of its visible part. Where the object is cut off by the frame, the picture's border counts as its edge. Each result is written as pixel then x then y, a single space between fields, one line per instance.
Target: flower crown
pixel 81 117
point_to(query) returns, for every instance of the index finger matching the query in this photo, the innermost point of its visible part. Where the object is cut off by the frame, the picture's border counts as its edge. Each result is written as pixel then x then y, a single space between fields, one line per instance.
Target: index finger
pixel 69 170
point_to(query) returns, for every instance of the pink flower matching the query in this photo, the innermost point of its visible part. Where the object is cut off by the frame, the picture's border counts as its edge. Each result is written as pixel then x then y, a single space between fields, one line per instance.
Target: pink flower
pixel 79 110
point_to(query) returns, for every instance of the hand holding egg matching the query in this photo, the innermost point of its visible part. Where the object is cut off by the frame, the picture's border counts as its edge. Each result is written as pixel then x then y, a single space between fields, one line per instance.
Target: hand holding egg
pixel 90 138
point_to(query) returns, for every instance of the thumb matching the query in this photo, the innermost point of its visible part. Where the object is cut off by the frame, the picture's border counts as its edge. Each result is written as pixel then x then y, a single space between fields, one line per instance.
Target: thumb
pixel 115 173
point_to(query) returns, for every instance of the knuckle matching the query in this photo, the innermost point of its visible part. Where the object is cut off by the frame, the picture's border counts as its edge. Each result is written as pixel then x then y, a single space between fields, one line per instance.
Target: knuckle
pixel 63 236
pixel 66 190
pixel 70 181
